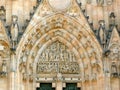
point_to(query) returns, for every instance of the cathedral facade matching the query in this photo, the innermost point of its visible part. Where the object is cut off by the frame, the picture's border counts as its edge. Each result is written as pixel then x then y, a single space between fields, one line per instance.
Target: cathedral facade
pixel 59 44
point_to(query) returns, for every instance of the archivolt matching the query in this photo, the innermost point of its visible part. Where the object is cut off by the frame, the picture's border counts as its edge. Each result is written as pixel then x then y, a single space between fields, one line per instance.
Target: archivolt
pixel 66 29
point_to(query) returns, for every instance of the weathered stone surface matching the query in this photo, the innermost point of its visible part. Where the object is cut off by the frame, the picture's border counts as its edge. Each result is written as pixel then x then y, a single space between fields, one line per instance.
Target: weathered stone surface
pixel 60 41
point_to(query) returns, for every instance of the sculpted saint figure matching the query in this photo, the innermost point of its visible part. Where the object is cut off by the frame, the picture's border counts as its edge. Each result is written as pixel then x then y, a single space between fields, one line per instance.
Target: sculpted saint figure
pixel 14 30
pixel 4 68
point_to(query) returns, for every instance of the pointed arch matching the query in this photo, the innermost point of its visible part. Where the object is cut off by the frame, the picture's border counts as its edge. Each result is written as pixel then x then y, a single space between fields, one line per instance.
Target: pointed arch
pixel 59 26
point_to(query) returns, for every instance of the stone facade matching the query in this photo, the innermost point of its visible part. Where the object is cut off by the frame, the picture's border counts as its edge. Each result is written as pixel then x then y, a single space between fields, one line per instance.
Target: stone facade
pixel 62 42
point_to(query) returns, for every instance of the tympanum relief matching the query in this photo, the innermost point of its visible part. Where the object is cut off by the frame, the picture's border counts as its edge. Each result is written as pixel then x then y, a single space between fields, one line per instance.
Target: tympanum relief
pixel 57 59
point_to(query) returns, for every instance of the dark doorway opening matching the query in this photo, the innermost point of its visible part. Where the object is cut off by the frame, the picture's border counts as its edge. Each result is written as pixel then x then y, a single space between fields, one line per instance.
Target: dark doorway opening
pixel 45 86
pixel 71 86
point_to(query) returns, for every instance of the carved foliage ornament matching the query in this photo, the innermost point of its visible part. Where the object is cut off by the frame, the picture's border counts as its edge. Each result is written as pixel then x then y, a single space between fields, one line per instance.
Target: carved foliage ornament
pixel 57 59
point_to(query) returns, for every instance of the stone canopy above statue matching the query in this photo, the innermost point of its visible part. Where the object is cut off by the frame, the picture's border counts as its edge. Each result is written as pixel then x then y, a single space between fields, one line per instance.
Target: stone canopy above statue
pixel 57 59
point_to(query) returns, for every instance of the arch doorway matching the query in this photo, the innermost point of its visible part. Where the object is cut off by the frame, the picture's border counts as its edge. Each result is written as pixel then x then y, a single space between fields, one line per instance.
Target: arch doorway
pixel 63 54
pixel 57 63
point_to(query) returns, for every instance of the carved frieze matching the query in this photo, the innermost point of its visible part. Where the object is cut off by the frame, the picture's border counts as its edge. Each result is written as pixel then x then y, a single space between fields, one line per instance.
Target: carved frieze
pixel 57 59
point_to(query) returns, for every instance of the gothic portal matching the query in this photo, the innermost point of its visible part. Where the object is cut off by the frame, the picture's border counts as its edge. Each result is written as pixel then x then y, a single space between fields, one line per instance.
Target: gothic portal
pixel 59 45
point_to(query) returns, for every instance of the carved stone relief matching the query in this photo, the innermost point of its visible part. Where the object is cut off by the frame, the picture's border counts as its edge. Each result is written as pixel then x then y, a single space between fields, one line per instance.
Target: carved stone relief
pixel 114 53
pixel 57 59
pixel 73 11
pixel 2 13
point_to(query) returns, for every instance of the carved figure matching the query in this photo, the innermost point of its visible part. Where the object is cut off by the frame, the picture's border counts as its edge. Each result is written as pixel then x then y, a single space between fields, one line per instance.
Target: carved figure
pixel 60 60
pixel 102 33
pixel 114 68
pixel 4 67
pixel 59 76
pixel 14 30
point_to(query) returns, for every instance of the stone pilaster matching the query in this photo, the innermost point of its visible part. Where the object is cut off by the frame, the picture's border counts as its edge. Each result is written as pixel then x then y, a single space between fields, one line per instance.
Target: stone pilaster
pixel 12 71
pixel 59 85
pixel 108 87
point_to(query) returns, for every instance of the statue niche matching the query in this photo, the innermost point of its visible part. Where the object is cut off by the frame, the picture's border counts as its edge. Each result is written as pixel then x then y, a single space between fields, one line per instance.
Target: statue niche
pixel 14 31
pixel 57 58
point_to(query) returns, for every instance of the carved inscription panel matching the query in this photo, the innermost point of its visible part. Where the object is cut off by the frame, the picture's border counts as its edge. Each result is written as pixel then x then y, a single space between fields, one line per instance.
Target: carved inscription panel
pixel 57 58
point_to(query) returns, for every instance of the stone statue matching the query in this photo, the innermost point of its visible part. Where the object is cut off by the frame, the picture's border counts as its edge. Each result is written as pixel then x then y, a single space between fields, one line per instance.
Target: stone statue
pixel 4 68
pixel 102 33
pixel 14 31
pixel 114 68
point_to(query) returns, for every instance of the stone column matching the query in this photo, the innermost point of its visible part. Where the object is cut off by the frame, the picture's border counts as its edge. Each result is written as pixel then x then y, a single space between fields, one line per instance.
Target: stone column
pixel 59 85
pixel 107 73
pixel 107 81
pixel 12 72
pixel 12 84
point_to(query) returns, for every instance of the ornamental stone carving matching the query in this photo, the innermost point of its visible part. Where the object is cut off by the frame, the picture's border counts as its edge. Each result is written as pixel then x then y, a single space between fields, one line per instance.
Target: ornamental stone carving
pixel 60 4
pixel 2 13
pixel 57 58
pixel 74 11
pixel 3 72
pixel 59 77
